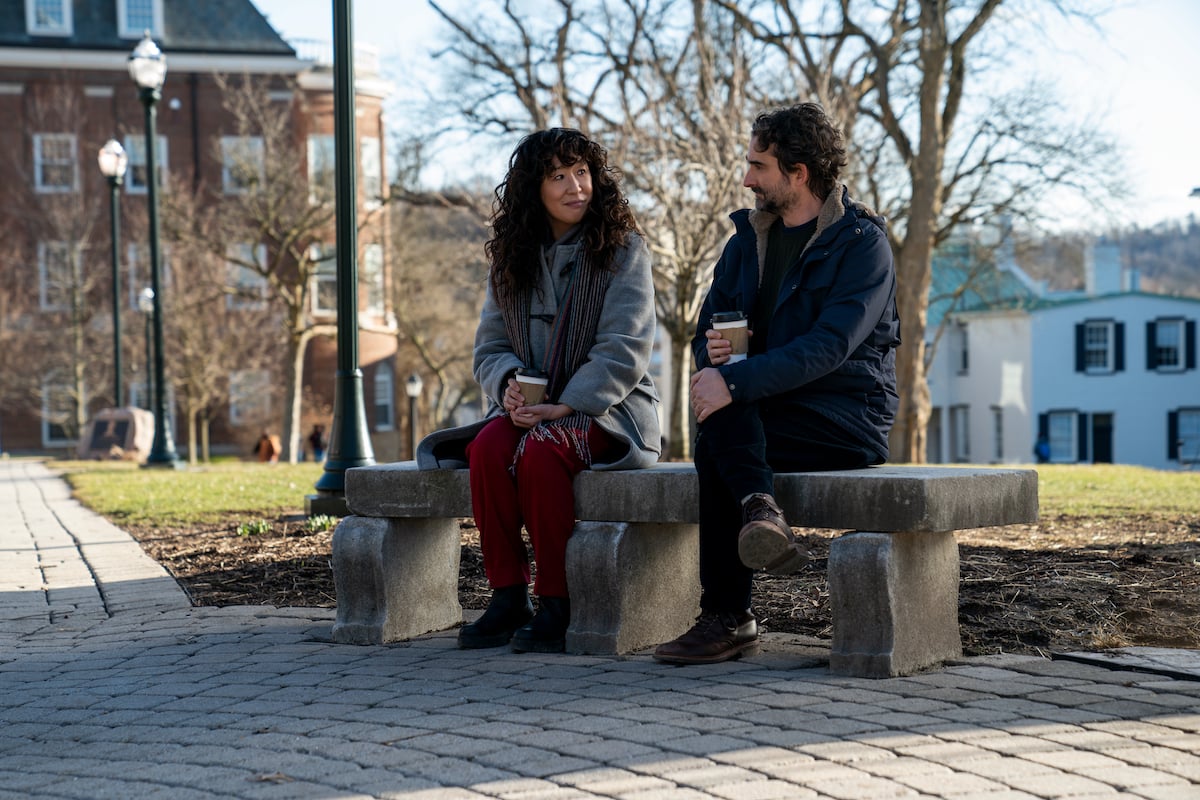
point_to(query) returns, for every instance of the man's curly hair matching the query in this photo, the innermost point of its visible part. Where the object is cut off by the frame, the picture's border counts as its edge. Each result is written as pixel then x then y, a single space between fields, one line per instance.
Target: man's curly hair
pixel 803 134
pixel 520 224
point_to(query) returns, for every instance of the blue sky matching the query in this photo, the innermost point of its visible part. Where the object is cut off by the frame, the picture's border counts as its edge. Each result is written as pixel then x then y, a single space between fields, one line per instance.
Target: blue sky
pixel 1139 77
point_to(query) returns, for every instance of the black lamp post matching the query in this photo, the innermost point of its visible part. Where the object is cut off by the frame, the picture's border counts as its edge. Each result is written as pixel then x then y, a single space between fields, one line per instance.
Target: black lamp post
pixel 148 68
pixel 349 440
pixel 112 160
pixel 145 303
pixel 412 387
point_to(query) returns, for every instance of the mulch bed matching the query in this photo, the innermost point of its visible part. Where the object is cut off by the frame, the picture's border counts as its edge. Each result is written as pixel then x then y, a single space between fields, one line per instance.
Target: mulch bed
pixel 1065 584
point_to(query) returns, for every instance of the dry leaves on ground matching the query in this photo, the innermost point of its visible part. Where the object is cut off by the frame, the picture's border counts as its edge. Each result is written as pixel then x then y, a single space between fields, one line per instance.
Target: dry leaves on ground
pixel 1064 584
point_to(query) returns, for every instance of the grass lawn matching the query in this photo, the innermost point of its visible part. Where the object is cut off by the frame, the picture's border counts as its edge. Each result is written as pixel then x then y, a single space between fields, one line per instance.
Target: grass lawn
pixel 227 491
pixel 203 495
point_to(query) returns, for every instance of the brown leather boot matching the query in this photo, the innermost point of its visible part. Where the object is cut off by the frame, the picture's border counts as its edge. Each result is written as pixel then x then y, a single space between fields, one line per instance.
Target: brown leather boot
pixel 716 636
pixel 766 541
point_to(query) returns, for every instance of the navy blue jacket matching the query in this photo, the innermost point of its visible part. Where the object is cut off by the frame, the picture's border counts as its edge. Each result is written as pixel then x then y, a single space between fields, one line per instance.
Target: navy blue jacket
pixel 832 339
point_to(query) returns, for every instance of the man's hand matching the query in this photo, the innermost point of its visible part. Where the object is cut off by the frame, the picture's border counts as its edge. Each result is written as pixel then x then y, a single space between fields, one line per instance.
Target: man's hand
pixel 709 392
pixel 719 349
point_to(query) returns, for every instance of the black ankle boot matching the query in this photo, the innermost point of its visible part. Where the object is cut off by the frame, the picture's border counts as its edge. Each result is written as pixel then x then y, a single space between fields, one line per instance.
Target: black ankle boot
pixel 547 633
pixel 508 610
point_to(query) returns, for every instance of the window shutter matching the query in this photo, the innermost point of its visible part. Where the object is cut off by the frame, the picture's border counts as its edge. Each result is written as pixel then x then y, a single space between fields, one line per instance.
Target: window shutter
pixel 1083 437
pixel 1172 435
pixel 1079 348
pixel 1119 347
pixel 1189 338
pixel 1151 346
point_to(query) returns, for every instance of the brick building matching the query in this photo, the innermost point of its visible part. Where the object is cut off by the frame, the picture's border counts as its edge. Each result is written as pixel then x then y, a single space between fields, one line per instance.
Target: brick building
pixel 64 90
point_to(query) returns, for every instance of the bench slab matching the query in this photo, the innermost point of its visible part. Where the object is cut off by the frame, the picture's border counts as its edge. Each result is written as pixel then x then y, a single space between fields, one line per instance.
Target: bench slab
pixel 632 562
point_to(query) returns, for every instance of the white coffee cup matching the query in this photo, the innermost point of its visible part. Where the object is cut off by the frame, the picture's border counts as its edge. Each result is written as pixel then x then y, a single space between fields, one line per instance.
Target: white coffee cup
pixel 733 326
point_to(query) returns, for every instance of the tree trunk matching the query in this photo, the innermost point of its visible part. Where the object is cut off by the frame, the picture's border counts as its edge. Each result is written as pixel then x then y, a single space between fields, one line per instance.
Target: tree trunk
pixel 679 444
pixel 205 423
pixel 294 383
pixel 192 412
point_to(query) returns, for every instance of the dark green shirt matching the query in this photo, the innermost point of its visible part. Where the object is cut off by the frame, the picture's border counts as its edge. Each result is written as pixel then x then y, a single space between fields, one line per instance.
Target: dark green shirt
pixel 784 246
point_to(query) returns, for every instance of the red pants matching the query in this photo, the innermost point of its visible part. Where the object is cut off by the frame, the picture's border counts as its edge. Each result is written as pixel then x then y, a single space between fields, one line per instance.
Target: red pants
pixel 541 497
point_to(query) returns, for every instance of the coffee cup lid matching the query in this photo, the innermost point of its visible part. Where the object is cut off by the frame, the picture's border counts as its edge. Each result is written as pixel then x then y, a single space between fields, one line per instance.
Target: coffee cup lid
pixel 530 372
pixel 728 316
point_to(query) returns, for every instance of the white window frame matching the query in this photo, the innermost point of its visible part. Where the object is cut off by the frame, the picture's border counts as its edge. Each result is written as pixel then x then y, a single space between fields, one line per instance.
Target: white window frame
pixel 1099 356
pixel 385 397
pixel 238 153
pixel 127 31
pixel 51 388
pixel 54 296
pixel 324 276
pixel 65 27
pixel 1063 433
pixel 135 147
pixel 137 274
pixel 41 163
pixel 960 434
pixel 321 149
pixel 371 157
pixel 249 396
pixel 1180 330
pixel 243 280
pixel 372 277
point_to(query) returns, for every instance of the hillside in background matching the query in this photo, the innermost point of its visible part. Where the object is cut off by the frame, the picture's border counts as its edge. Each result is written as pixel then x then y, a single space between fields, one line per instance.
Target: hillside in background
pixel 1167 258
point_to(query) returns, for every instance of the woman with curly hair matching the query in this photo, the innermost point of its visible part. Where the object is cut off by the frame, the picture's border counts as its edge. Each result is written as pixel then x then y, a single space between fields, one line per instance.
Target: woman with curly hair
pixel 570 294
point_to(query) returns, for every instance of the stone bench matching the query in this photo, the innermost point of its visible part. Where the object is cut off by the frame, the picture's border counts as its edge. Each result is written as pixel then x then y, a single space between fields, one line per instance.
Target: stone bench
pixel 632 559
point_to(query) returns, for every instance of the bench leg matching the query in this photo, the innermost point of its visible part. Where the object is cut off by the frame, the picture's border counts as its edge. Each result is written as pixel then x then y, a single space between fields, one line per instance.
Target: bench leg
pixel 895 603
pixel 632 585
pixel 395 578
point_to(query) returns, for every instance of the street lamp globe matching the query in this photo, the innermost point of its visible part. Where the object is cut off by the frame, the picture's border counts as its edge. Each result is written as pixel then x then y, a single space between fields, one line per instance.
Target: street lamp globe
pixel 145 301
pixel 147 64
pixel 112 160
pixel 413 386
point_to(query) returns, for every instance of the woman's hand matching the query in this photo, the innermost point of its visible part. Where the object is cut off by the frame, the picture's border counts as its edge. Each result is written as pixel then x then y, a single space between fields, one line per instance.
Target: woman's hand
pixel 530 416
pixel 512 399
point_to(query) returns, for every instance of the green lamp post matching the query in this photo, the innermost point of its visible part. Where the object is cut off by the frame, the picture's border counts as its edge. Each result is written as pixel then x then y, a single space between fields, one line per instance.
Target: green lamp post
pixel 148 68
pixel 349 440
pixel 113 161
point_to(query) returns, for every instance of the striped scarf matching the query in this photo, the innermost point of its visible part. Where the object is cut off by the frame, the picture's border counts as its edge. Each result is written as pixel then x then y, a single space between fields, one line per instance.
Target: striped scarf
pixel 572 335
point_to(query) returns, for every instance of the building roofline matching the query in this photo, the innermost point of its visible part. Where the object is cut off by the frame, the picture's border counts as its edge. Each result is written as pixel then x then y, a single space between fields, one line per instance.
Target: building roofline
pixel 177 61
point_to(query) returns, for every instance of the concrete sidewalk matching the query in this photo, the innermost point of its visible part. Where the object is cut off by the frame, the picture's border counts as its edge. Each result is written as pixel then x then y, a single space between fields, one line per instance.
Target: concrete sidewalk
pixel 111 685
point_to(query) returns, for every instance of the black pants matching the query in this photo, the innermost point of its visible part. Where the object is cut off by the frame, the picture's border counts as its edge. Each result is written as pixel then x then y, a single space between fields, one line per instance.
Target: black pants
pixel 738 451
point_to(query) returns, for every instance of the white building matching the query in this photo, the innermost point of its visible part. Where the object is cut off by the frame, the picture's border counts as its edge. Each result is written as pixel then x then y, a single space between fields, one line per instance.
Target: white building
pixel 1104 375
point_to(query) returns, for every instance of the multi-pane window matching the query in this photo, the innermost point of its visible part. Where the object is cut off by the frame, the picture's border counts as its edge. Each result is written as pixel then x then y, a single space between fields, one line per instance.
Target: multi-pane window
pixel 324 288
pixel 48 17
pixel 385 393
pixel 249 396
pixel 241 163
pixel 372 171
pixel 1062 427
pixel 244 272
pixel 56 276
pixel 372 274
pixel 54 164
pixel 1098 346
pixel 321 170
pixel 135 176
pixel 135 17
pixel 58 413
pixel 960 433
pixel 1168 344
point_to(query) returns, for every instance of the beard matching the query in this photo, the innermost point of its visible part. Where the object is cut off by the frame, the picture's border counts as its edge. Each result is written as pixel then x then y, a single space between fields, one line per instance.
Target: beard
pixel 773 202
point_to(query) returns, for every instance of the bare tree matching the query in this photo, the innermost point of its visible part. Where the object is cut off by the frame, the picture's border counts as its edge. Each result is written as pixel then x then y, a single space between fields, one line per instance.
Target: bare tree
pixel 57 227
pixel 263 225
pixel 939 146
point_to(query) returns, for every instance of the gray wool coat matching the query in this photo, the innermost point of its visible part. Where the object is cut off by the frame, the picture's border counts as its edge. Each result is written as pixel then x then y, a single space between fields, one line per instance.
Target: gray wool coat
pixel 613 386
